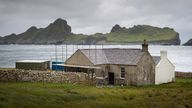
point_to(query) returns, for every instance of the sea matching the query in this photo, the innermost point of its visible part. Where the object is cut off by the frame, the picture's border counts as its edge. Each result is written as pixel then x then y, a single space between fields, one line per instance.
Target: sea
pixel 180 56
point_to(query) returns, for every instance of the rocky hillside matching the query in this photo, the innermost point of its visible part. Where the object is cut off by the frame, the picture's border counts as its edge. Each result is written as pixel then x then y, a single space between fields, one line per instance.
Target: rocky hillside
pixel 138 33
pixel 59 32
pixel 188 43
pixel 53 33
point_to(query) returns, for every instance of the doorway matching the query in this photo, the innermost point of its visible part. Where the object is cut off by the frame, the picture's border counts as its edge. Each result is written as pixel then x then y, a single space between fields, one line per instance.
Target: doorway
pixel 111 78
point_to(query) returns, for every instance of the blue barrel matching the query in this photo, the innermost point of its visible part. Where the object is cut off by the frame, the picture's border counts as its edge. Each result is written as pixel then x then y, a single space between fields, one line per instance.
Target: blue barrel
pixel 56 67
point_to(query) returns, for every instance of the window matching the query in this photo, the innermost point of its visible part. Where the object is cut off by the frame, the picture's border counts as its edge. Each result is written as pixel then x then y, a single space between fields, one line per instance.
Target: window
pixel 122 72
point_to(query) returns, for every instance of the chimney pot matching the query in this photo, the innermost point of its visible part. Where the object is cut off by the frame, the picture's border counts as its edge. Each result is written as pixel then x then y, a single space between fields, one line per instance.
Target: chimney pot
pixel 163 54
pixel 145 46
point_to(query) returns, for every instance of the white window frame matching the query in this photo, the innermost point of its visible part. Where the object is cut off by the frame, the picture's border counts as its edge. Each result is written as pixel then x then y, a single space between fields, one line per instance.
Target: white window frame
pixel 122 67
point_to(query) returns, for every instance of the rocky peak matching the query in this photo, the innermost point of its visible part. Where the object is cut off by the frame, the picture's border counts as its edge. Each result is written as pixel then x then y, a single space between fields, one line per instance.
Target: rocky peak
pixel 32 29
pixel 116 28
pixel 59 25
pixel 60 21
pixel 12 34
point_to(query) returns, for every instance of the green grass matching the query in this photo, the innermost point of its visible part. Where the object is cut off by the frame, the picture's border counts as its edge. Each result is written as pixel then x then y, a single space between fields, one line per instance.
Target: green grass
pixel 140 32
pixel 135 34
pixel 47 95
pixel 124 37
pixel 76 38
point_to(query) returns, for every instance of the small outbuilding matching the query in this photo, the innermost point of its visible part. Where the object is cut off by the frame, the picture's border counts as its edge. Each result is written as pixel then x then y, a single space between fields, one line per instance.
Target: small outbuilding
pixel 33 64
pixel 164 69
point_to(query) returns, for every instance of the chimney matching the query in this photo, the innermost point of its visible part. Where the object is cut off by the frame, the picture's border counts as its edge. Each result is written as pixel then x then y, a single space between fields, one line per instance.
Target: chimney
pixel 145 46
pixel 163 54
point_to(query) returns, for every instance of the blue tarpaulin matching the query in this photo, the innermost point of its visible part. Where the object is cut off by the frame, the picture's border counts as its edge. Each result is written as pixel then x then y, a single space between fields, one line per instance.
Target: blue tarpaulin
pixel 57 67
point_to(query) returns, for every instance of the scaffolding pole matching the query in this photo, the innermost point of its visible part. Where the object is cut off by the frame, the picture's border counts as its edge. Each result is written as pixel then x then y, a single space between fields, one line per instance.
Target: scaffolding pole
pixel 56 55
pixel 62 54
pixel 77 59
pixel 56 52
pixel 89 52
pixel 95 54
pixel 65 52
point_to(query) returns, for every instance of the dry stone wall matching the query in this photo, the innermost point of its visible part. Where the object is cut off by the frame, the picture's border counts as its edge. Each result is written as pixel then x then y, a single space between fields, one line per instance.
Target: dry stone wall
pixel 56 76
pixel 183 74
pixel 45 76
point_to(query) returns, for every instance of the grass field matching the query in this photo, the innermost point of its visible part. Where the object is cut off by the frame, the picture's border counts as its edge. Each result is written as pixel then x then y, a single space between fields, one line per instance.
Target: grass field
pixel 47 95
pixel 136 34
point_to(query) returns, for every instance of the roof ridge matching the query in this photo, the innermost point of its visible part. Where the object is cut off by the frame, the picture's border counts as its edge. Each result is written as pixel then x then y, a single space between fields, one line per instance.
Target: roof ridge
pixel 112 49
pixel 156 56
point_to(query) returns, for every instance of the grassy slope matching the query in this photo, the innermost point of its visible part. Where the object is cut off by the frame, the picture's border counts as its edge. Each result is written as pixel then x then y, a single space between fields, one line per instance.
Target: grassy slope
pixel 81 37
pixel 76 38
pixel 139 33
pixel 135 34
pixel 31 95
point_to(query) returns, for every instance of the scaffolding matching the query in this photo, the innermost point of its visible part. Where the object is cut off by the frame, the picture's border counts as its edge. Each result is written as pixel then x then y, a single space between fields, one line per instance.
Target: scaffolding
pixel 93 51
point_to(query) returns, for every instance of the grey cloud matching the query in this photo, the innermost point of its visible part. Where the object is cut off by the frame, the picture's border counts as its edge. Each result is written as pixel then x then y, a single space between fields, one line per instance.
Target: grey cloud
pixel 91 16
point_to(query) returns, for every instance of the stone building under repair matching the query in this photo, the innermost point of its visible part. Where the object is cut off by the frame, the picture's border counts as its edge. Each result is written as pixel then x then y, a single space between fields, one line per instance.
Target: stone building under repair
pixel 116 65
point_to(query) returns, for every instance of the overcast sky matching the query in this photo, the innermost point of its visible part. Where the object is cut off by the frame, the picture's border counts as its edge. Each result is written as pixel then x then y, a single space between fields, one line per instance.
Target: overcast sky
pixel 91 16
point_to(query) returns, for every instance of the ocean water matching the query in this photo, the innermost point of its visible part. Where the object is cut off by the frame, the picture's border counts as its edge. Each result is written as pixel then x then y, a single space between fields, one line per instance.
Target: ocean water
pixel 180 56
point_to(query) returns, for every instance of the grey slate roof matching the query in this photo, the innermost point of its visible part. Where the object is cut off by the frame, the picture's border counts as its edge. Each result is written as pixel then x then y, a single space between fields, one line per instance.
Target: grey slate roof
pixel 113 56
pixel 156 59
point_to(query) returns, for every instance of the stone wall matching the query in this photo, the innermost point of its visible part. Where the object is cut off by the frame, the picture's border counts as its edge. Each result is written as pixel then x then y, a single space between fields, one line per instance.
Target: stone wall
pixel 183 74
pixel 45 76
pixel 56 76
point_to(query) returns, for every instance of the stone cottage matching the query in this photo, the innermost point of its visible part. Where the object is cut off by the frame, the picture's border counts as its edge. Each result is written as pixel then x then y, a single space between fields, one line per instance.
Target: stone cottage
pixel 115 66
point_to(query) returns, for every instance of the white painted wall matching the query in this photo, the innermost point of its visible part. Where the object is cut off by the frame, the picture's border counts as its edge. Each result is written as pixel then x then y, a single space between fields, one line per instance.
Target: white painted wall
pixel 165 70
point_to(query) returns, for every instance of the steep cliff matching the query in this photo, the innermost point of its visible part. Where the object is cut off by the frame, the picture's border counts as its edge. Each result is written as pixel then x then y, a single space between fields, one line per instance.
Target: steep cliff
pixel 54 32
pixel 138 33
